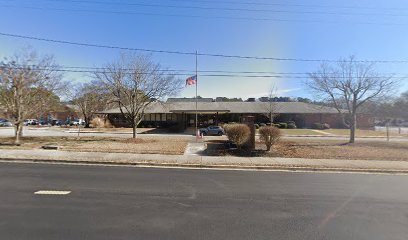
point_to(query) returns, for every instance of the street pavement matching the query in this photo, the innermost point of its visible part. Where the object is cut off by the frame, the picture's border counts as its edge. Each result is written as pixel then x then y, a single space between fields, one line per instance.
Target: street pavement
pixel 152 203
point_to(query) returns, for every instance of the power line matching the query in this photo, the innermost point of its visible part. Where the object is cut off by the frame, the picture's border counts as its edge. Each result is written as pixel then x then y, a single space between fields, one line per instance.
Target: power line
pixel 205 17
pixel 289 5
pixel 189 53
pixel 230 9
pixel 125 71
pixel 188 71
pixel 263 4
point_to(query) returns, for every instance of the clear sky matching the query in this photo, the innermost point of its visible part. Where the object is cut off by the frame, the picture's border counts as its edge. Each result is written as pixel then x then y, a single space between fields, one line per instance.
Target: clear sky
pixel 320 29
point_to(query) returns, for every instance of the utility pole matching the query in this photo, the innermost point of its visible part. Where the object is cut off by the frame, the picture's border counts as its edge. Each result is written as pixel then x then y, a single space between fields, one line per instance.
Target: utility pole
pixel 196 100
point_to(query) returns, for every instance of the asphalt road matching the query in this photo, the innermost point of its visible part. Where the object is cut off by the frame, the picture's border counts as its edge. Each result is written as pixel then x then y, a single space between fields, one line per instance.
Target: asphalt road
pixel 149 203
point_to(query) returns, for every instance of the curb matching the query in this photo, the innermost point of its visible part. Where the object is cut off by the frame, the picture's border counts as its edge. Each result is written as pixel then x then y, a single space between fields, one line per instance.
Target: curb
pixel 340 136
pixel 203 166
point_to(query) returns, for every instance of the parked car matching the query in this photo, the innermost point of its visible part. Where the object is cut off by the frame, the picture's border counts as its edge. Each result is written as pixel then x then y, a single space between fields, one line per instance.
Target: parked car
pixel 212 130
pixel 77 122
pixel 5 123
pixel 30 122
pixel 43 123
pixel 57 122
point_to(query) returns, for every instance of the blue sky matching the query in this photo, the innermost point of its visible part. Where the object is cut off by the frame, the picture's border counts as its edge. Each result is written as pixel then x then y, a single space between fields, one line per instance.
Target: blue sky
pixel 371 30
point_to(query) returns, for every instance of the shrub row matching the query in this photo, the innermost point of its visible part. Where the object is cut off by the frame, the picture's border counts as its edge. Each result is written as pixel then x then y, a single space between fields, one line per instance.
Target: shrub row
pixel 101 123
pixel 290 125
pixel 320 126
pixel 240 133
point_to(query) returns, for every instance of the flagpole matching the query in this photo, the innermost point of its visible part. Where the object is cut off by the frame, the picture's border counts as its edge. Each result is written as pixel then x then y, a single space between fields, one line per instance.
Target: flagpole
pixel 196 102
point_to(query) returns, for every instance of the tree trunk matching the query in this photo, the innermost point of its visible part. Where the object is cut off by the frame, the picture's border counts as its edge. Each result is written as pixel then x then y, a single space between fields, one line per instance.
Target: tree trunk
pixel 20 132
pixel 268 147
pixel 87 122
pixel 353 124
pixel 17 133
pixel 134 126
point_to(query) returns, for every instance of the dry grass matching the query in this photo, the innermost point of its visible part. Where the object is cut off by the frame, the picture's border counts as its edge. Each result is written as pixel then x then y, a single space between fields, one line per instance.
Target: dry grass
pixel 299 132
pixel 369 150
pixel 361 133
pixel 319 149
pixel 158 145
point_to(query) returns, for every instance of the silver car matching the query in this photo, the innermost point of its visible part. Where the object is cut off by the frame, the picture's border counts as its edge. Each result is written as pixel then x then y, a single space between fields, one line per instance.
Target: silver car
pixel 5 123
pixel 212 130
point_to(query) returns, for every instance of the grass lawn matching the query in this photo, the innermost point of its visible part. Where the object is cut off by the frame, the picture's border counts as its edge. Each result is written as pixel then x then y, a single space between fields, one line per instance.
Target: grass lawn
pixel 299 132
pixel 153 145
pixel 360 133
pixel 331 149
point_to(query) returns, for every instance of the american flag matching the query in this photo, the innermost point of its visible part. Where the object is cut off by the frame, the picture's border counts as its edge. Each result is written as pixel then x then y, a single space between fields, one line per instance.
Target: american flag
pixel 191 80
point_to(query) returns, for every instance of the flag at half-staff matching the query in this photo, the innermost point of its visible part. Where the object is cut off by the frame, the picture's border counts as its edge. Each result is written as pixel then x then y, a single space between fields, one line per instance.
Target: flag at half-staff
pixel 191 80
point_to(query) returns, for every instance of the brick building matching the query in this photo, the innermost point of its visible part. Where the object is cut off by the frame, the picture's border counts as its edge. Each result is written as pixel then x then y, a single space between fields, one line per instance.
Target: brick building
pixel 163 114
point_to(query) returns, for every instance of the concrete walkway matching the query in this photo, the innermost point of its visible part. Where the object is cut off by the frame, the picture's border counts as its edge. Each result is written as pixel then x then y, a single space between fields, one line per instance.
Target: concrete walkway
pixel 195 148
pixel 321 132
pixel 205 161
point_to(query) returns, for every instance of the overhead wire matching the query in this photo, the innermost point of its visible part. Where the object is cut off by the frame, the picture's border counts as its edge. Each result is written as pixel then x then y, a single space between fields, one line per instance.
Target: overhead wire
pixel 203 16
pixel 226 8
pixel 188 53
pixel 173 73
pixel 180 70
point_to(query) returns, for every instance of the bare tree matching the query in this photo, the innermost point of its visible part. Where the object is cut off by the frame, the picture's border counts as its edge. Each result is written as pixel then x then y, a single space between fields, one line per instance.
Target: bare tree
pixel 27 83
pixel 135 82
pixel 400 106
pixel 90 99
pixel 348 85
pixel 272 108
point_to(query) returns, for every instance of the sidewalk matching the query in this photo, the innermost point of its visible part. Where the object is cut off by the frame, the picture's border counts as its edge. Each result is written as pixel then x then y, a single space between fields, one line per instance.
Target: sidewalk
pixel 205 161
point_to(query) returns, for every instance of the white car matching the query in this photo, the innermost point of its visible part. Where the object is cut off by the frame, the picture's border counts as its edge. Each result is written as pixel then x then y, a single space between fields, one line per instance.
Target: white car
pixel 30 122
pixel 77 122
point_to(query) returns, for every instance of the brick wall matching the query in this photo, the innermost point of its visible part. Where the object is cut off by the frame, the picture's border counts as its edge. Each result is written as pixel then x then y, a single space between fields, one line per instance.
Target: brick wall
pixel 364 121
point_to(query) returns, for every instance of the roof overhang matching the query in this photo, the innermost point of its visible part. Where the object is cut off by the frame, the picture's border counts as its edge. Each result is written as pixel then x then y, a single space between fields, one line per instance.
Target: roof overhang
pixel 200 111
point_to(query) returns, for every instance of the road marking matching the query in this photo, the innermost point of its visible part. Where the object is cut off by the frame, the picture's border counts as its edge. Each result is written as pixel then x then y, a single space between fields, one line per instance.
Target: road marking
pixel 52 192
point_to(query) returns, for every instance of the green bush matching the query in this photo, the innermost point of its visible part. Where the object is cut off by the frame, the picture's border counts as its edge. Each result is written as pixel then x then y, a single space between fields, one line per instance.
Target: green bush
pixel 283 125
pixel 320 126
pixel 269 136
pixel 268 124
pixel 317 126
pixel 262 125
pixel 291 126
pixel 256 126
